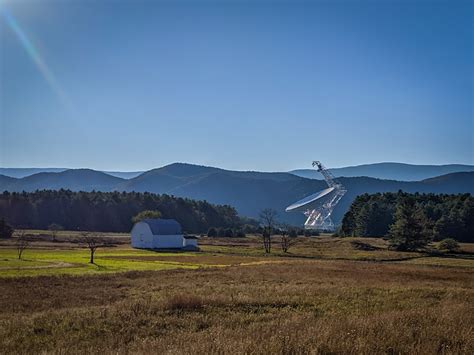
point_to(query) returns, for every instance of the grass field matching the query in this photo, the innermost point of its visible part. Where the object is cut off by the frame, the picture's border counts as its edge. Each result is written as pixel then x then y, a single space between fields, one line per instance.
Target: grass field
pixel 329 295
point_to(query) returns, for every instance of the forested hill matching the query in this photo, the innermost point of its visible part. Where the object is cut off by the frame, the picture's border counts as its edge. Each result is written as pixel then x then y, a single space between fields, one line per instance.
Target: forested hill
pixel 438 216
pixel 74 179
pixel 249 192
pixel 109 211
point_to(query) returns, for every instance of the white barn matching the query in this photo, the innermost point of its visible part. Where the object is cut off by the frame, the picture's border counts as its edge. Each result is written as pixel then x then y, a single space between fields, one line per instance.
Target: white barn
pixel 161 234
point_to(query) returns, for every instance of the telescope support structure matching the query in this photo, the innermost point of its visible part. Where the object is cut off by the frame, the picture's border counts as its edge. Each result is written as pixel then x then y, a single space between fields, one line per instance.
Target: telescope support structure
pixel 320 217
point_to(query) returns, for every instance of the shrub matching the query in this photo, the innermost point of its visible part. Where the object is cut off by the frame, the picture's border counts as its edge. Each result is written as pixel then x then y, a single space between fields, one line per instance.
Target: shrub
pixel 229 233
pixel 249 229
pixel 292 233
pixel 363 246
pixel 212 232
pixel 311 233
pixel 448 244
pixel 184 302
pixel 239 233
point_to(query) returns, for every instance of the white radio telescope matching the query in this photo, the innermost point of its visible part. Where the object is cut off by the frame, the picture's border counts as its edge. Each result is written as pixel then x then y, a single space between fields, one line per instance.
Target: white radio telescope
pixel 318 207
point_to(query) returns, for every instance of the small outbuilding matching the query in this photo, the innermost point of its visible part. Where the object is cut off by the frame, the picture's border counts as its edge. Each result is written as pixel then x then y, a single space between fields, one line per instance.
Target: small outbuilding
pixel 161 234
pixel 190 242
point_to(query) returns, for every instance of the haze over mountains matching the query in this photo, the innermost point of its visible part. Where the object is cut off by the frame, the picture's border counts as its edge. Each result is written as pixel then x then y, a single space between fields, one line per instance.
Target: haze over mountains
pixel 390 171
pixel 248 192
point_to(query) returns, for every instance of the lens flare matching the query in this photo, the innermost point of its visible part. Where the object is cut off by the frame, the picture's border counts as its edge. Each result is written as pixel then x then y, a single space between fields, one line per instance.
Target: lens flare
pixel 35 56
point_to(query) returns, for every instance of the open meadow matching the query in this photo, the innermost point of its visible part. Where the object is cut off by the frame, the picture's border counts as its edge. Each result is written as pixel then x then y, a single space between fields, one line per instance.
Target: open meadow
pixel 327 295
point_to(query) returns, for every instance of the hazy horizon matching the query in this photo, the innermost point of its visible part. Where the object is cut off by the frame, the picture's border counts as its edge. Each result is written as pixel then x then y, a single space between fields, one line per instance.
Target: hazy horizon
pixel 266 86
pixel 309 167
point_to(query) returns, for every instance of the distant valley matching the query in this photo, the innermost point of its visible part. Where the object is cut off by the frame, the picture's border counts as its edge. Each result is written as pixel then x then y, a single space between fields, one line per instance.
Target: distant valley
pixel 247 191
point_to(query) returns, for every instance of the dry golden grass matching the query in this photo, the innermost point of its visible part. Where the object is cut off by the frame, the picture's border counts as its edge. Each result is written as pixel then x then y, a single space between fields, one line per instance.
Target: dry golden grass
pixel 324 247
pixel 298 306
pixel 200 259
pixel 328 295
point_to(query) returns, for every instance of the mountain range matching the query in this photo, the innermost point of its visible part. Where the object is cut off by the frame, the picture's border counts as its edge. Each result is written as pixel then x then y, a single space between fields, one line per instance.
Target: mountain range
pixel 388 171
pixel 247 191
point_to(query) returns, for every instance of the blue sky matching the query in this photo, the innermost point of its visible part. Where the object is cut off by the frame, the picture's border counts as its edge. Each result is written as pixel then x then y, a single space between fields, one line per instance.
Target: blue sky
pixel 248 85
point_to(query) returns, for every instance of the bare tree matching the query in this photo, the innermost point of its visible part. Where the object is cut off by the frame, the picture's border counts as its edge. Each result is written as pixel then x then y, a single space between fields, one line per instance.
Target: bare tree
pixel 267 240
pixel 288 238
pixel 268 221
pixel 93 243
pixel 54 228
pixel 21 244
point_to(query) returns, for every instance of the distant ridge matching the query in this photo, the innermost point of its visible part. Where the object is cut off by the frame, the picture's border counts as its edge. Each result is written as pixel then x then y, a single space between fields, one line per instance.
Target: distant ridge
pixel 390 171
pixel 247 191
pixel 24 172
pixel 72 179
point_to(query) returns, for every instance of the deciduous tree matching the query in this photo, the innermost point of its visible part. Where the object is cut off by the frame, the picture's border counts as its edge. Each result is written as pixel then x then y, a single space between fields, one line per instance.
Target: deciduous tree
pixel 54 228
pixel 268 221
pixel 148 214
pixel 92 242
pixel 22 243
pixel 287 238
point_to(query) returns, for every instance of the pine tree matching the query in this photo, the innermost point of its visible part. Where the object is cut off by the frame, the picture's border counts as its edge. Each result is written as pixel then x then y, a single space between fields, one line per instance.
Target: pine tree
pixel 408 232
pixel 362 221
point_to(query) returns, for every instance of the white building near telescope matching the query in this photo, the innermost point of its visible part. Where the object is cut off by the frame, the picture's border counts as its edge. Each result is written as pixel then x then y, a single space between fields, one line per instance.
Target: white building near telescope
pixel 161 234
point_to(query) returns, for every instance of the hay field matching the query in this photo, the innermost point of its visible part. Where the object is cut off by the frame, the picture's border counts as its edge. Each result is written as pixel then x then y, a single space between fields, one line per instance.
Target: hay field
pixel 328 295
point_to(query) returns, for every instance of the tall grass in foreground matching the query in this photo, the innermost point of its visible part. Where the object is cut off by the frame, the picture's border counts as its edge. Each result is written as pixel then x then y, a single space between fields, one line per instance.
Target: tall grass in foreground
pixel 296 307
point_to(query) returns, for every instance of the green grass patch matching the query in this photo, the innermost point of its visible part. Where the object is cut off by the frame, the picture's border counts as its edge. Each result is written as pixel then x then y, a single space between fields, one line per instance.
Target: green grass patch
pixel 37 262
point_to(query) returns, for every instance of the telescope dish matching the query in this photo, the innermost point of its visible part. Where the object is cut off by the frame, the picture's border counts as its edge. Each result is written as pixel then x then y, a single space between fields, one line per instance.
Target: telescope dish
pixel 306 202
pixel 318 207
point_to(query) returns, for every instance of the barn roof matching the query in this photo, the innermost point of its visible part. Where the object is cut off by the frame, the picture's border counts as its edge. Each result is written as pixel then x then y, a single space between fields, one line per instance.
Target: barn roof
pixel 163 226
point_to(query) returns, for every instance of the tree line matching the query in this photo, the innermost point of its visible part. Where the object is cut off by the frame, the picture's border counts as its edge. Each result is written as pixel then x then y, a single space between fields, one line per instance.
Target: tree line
pixel 425 216
pixel 109 211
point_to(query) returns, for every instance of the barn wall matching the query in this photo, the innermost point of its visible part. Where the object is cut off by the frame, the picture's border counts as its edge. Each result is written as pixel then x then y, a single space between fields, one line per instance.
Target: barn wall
pixel 168 241
pixel 141 236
